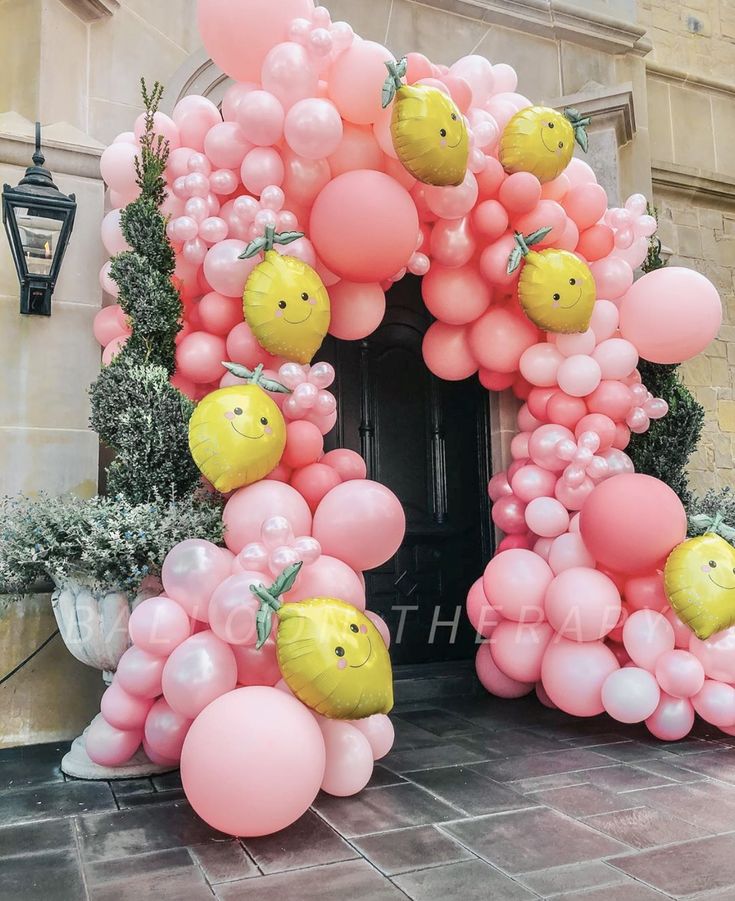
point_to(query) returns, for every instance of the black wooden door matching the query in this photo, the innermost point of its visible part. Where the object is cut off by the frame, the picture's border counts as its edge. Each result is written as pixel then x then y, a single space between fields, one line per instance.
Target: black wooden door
pixel 428 441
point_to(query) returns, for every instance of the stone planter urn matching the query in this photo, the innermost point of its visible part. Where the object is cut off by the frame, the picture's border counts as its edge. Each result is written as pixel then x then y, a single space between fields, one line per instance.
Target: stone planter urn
pixel 93 621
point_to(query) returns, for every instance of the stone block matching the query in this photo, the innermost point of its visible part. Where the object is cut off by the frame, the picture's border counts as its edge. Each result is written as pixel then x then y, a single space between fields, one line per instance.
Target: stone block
pixel 107 120
pixel 721 371
pixel 535 59
pixel 582 65
pixel 20 52
pixel 689 241
pixel 57 461
pixel 697 372
pixel 717 349
pixel 722 445
pixel 723 118
pixel 63 78
pixel 79 276
pixel 442 36
pixel 710 218
pixel 659 120
pixel 693 134
pixel 176 19
pixel 370 20
pixel 707 397
pixel 726 415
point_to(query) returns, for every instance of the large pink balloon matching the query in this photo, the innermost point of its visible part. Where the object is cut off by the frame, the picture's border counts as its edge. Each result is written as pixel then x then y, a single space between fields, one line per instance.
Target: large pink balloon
pixel 361 523
pixel 122 710
pixel 190 573
pixel 356 81
pixel 582 604
pixel 672 719
pixel 349 758
pixel 630 695
pixel 328 577
pixel 573 674
pixel 222 24
pixel 632 521
pixel 518 649
pixel 515 584
pixel 199 670
pixel 223 754
pixel 494 680
pixel 364 225
pixel 249 507
pixel 165 730
pixel 159 625
pixel 647 635
pixel 108 746
pixel 671 314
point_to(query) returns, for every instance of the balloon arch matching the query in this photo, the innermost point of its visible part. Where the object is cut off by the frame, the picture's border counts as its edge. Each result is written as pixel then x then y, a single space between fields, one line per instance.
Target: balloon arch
pixel 530 279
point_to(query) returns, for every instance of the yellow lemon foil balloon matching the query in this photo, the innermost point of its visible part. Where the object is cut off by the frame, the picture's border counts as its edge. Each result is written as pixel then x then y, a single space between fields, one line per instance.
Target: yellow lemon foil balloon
pixel 285 302
pixel 540 140
pixel 556 289
pixel 330 655
pixel 428 130
pixel 699 580
pixel 237 435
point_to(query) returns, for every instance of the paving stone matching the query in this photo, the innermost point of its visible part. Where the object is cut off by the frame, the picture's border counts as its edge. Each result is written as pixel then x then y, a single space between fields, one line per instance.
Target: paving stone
pixel 582 800
pixel 440 722
pixel 224 861
pixel 403 850
pixel 572 878
pixel 51 876
pixel 471 880
pixel 308 842
pixel 468 791
pixel 48 835
pixel 707 805
pixel 525 766
pixel 58 799
pixel 643 827
pixel 436 755
pixel 34 765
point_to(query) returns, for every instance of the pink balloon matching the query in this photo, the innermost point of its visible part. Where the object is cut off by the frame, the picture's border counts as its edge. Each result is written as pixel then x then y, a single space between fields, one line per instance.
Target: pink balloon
pixel 199 670
pixel 110 324
pixel 672 719
pixel 680 674
pixel 499 486
pixel 159 625
pixel 221 761
pixel 139 673
pixel 582 604
pixel 314 482
pixel 494 262
pixel 199 357
pixel 520 192
pixel 483 617
pixel 219 314
pixel 165 730
pixel 262 166
pixel 716 654
pixel 328 577
pixel 500 337
pixel 453 202
pixel 356 81
pixel 490 219
pixel 494 680
pixel 573 674
pixel 540 365
pixel 225 145
pixel 616 357
pixel 257 666
pixel 233 608
pixel 261 117
pixel 303 179
pixel 243 347
pixel 348 463
pixel 585 204
pixel 379 732
pixel 567 552
pixel 611 398
pixel 248 508
pixel 508 514
pixel 646 636
pixel 671 315
pixel 630 695
pixel 380 625
pixel 223 269
pixel 108 746
pixel 112 236
pixel 613 277
pixel 518 648
pixel 715 703
pixel 358 149
pixel 349 758
pixel 441 286
pixel 546 517
pixel 579 375
pixel 122 710
pixel 352 233
pixel 543 443
pixel 601 425
pixel 289 74
pixel 573 497
pixel 313 128
pixel 631 521
pixel 647 593
pixel 447 353
pixel 195 116
pixel 117 166
pixel 682 633
pixel 515 583
pixel 581 343
pixel 357 309
pixel 546 214
pixel 596 242
pixel 565 410
pixel 361 523
pixel 191 572
pixel 531 482
pixel 452 242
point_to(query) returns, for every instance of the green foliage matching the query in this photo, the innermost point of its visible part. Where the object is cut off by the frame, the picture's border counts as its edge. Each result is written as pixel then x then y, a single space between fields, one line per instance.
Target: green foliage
pixel 664 450
pixel 714 503
pixel 115 542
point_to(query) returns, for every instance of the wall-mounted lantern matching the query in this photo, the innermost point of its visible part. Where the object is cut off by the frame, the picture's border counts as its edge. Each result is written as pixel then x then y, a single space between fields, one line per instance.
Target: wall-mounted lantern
pixel 38 219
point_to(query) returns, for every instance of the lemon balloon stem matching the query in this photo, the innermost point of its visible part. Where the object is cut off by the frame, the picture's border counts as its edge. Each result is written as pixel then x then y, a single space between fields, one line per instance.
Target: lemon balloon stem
pixel 393 82
pixel 523 247
pixel 266 242
pixel 579 123
pixel 256 377
pixel 713 525
pixel 270 600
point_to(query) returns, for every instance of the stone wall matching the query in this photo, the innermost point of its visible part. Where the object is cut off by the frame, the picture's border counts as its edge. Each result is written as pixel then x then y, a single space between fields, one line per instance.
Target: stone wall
pixel 696 36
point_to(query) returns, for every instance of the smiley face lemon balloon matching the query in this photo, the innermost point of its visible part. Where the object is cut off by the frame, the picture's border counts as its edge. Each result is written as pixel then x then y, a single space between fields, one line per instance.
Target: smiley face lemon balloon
pixel 556 289
pixel 699 580
pixel 237 435
pixel 540 140
pixel 285 302
pixel 331 656
pixel 429 133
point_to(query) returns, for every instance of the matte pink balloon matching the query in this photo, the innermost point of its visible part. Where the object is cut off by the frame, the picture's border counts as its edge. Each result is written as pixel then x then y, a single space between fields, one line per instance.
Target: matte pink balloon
pixel 520 192
pixel 224 270
pixel 112 236
pixel 573 674
pixel 601 425
pixel 249 507
pixel 243 347
pixel 447 352
pixel 219 314
pixel 490 219
pixel 680 674
pixel 582 343
pixel 303 179
pixel 225 145
pixel 165 730
pixel 613 277
pixel 313 128
pixel 261 167
pixel 221 761
pixel 453 202
pixel 630 695
pixel 632 521
pixel 139 673
pixel 568 552
pixel 579 375
pixel 582 604
pixel 110 324
pixel 672 719
pixel 540 364
pixel 364 226
pixel 647 635
pixel 379 731
pixel 348 463
pixel 515 583
pixel 611 398
pixel 671 315
pixel 605 318
pixel 361 523
pixel 616 357
pixel 257 666
pixel 494 262
pixel 717 654
pixel 483 617
pixel 159 625
pixel 546 517
pixel 380 625
pixel 682 633
pixel 585 204
pixel 499 338
pixel 199 670
pixel 715 703
pixel 358 149
pixel 191 572
pixel 260 116
pixel 531 482
pixel 357 309
pixel 349 758
pixel 122 710
pixel 356 81
pixel 328 577
pixel 441 286
pixel 494 680
pixel 233 608
pixel 647 593
pixel 117 166
pixel 199 357
pixel 108 746
pixel 518 648
pixel 195 116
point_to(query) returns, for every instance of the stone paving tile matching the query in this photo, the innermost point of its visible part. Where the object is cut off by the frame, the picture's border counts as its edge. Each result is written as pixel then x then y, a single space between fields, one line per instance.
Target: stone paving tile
pixel 708 805
pixel 415 848
pixel 468 791
pixel 427 757
pixel 550 763
pixel 48 835
pixel 50 876
pixel 592 741
pixel 718 765
pixel 630 890
pixel 510 742
pixel 572 878
pixel 624 778
pixel 684 869
pixel 33 765
pixel 644 827
pixel 670 771
pixel 308 842
pixel 471 880
pixel 555 780
pixel 57 799
pixel 582 800
pixel 630 751
pixel 440 722
pixel 224 861
pixel 383 776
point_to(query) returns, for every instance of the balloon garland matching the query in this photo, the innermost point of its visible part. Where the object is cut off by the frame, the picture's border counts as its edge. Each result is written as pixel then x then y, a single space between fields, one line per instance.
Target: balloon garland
pixel 573 604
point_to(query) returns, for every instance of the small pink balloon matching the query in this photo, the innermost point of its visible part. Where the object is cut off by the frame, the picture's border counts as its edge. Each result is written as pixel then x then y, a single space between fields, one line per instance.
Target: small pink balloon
pixel 483 617
pixel 515 583
pixel 233 608
pixel 257 666
pixel 165 730
pixel 543 446
pixel 139 673
pixel 225 271
pixel 260 116
pixel 199 671
pixel 567 552
pixel 630 695
pixel 191 572
pixel 122 710
pixel 328 577
pixel 379 731
pixel 682 633
pixel 540 365
pixel 672 719
pixel 532 481
pixel 494 680
pixel 647 593
pixel 547 517
pixel 508 514
pixel 613 277
pixel 646 636
pixel 380 625
pixel 716 654
pixel 108 746
pixel 261 167
pixel 289 74
pixel 715 703
pixel 453 202
pixel 616 357
pixel 499 486
pixel 313 128
pixel 159 625
pixel 605 318
pixel 680 674
pixel 579 375
pixel 349 758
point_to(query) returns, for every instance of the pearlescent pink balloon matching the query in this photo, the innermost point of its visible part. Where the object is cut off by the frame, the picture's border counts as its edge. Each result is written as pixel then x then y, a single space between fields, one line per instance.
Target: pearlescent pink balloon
pixel 672 719
pixel 222 757
pixel 573 674
pixel 582 604
pixel 122 710
pixel 356 81
pixel 165 730
pixel 579 375
pixel 199 671
pixel 540 364
pixel 573 498
pixel 225 145
pixel 248 508
pixel 605 318
pixel 191 572
pixel 289 73
pixel 499 486
pixel 313 128
pixel 159 625
pixel 257 666
pixel 515 583
pixel 546 517
pixel 223 269
pixel 682 633
pixel 508 514
pixel 717 654
pixel 680 674
pixel 494 680
pixel 613 277
pixel 453 202
pixel 481 614
pixel 630 695
pixel 233 608
pixel 715 703
pixel 195 116
pixel 583 343
pixel 108 746
pixel 542 446
pixel 532 481
pixel 567 552
pixel 349 758
pixel 647 635
pixel 261 167
pixel 518 648
pixel 379 731
pixel 260 116
pixel 328 577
